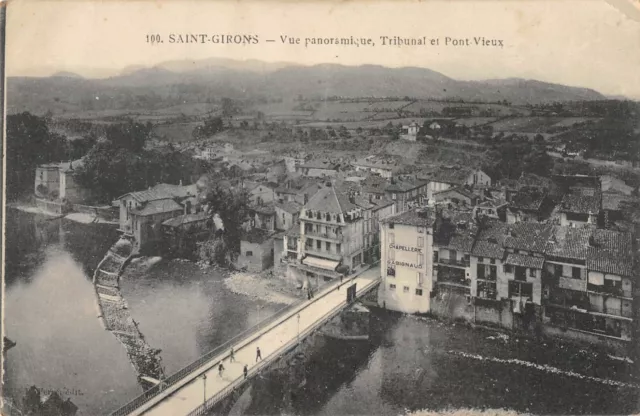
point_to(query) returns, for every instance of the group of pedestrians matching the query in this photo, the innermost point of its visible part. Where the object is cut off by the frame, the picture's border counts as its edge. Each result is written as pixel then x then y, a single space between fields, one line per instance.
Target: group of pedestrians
pixel 232 359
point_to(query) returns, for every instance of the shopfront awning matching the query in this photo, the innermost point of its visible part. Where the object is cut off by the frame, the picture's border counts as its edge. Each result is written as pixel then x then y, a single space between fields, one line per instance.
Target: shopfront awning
pixel 320 263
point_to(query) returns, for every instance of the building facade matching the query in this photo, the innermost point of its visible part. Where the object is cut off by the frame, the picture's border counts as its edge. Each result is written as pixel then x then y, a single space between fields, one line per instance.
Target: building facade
pixel 406 263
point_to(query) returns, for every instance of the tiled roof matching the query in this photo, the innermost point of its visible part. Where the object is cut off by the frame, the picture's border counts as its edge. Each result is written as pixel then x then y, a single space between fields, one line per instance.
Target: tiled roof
pixel 364 203
pixel 582 201
pixel 527 199
pixel 158 206
pixel 414 218
pixel 487 249
pixel 529 236
pixel 266 209
pixel 381 203
pixel 318 164
pixel 458 190
pixel 611 252
pixel 404 186
pixel 568 242
pixel 162 191
pixel 290 207
pixel 523 260
pixel 330 200
pixel 185 219
pixel 457 231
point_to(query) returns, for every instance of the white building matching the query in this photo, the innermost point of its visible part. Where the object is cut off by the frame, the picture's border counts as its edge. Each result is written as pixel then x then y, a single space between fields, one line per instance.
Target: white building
pixel 406 265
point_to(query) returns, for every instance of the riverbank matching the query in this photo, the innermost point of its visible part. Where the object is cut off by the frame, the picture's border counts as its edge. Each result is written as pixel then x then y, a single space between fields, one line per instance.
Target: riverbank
pixel 259 286
pixel 79 217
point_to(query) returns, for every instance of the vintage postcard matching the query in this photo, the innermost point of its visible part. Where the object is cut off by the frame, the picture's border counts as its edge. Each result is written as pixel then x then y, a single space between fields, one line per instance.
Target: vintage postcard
pixel 321 208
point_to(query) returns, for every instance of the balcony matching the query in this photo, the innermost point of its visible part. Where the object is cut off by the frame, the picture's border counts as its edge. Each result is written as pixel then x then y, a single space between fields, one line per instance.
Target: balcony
pixel 569 299
pixel 323 253
pixel 324 235
pixel 453 262
pixel 609 290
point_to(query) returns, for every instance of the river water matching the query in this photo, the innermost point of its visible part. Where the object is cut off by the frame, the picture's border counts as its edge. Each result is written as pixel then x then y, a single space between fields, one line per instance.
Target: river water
pixel 408 363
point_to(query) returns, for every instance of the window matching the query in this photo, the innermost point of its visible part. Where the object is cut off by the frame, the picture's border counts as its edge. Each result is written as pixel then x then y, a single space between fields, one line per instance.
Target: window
pixel 418 292
pixel 391 226
pixel 420 230
pixel 466 258
pixel 420 241
pixel 532 272
pixel 493 261
pixel 575 272
pixel 508 268
pixel 318 216
pixel 391 270
pixel 420 279
pixel 318 244
pixel 392 286
pixel 249 253
pixel 392 238
pixel 480 259
pixel 480 271
pixel 327 246
pixel 419 261
pixel 393 196
pixel 405 289
pixel 328 217
pixel 516 251
pixel 338 246
pixel 557 270
pixel 435 256
pixel 338 218
pixel 493 273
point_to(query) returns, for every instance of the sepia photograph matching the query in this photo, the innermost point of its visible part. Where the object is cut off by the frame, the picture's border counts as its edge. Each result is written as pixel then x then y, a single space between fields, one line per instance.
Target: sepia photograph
pixel 319 208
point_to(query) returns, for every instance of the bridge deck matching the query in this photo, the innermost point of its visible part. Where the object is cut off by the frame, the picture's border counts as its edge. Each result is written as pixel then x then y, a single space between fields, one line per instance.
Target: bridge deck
pixel 187 396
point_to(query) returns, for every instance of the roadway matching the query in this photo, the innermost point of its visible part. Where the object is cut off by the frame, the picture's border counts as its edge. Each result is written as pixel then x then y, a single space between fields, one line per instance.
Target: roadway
pixel 190 393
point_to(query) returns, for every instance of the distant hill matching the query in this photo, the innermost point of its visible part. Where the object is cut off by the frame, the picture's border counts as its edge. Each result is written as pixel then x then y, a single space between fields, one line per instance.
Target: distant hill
pixel 215 78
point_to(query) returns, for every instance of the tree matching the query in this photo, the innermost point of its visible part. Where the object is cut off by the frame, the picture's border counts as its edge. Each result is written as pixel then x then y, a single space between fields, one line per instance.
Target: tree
pixel 130 135
pixel 29 144
pixel 232 205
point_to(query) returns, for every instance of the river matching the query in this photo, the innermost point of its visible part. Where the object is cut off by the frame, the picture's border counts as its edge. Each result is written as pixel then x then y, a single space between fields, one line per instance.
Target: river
pixel 408 364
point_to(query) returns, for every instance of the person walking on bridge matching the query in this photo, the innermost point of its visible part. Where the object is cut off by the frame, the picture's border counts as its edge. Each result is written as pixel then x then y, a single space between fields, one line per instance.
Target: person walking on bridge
pixel 245 370
pixel 258 354
pixel 220 369
pixel 232 357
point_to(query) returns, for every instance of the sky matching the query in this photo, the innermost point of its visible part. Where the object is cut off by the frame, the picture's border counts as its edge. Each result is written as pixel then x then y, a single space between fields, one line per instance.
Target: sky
pixel 588 43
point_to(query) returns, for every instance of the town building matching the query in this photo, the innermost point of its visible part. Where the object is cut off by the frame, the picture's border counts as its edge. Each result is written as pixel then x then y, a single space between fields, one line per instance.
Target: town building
pixel 447 178
pixel 381 168
pixel 56 182
pixel 317 169
pixel 580 206
pixel 256 250
pixel 406 194
pixel 331 235
pixel 142 213
pixel 410 132
pixel 259 193
pixel 297 190
pixel 286 214
pixel 456 197
pixel 529 204
pixel 453 236
pixel 406 263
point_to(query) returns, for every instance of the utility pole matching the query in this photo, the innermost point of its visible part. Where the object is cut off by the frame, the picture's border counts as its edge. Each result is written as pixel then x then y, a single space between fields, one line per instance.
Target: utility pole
pixel 204 391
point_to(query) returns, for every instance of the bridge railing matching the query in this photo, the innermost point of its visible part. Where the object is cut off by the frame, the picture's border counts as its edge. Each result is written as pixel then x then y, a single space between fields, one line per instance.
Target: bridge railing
pixel 180 374
pixel 151 393
pixel 205 408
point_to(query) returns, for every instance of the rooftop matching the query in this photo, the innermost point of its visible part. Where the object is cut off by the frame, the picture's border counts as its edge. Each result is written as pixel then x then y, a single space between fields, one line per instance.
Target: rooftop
pixel 424 218
pixel 450 175
pixel 330 200
pixel 185 219
pixel 290 207
pixel 610 252
pixel 403 186
pixel 531 262
pixel 256 235
pixel 318 164
pixel 162 191
pixel 581 201
pixel 158 206
pixel 529 199
pixel 458 189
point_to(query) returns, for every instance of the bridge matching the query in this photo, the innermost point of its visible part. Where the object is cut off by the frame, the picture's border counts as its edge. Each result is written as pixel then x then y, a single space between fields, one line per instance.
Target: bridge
pixel 198 388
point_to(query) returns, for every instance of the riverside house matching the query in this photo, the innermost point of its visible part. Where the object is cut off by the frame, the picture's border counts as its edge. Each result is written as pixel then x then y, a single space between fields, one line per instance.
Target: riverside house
pixel 142 213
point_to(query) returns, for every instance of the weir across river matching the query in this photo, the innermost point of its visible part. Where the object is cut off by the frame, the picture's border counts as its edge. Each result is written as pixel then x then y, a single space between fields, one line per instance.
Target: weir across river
pixel 197 388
